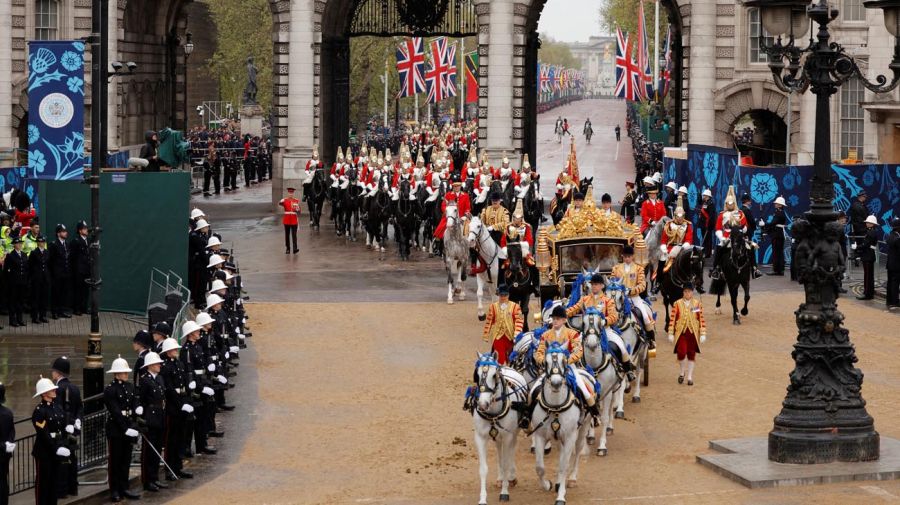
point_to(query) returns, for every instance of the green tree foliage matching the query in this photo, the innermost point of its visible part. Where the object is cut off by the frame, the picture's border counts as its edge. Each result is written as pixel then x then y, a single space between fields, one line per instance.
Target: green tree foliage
pixel 244 29
pixel 623 13
pixel 557 53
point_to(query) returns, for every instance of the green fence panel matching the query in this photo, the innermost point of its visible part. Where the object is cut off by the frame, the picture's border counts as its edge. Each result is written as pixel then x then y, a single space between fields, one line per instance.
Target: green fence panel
pixel 144 221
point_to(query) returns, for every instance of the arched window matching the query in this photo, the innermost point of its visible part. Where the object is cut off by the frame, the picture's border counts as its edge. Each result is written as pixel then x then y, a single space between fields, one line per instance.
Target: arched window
pixel 46 19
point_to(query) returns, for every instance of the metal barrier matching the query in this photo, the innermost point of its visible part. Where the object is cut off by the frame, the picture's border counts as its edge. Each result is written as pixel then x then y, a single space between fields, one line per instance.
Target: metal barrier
pixel 91 452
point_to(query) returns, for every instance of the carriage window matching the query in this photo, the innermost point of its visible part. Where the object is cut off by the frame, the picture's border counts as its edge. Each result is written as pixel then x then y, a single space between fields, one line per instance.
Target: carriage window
pixel 595 257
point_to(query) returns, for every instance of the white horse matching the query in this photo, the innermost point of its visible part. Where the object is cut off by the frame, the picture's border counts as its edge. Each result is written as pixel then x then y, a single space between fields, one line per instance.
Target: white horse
pixel 480 240
pixel 456 255
pixel 600 359
pixel 522 360
pixel 630 333
pixel 498 389
pixel 653 239
pixel 559 415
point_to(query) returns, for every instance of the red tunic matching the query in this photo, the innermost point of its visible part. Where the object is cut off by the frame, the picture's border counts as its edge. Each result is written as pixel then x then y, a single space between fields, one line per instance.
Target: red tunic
pixel 528 237
pixel 726 232
pixel 291 210
pixel 651 212
pixel 687 239
pixel 463 208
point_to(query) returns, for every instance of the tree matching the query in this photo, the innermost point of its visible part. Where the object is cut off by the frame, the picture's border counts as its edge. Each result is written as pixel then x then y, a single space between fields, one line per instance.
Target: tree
pixel 623 13
pixel 244 29
pixel 557 53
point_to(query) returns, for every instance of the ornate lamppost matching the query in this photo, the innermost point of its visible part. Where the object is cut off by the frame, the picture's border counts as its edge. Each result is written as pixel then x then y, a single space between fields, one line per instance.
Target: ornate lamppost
pixel 823 416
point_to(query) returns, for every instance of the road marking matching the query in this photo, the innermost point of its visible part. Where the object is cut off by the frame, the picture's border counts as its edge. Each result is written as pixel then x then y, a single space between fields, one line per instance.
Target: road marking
pixel 663 496
pixel 883 493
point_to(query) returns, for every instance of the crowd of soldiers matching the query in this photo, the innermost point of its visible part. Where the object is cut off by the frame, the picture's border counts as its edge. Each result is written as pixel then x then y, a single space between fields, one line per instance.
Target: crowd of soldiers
pixel 224 154
pixel 38 275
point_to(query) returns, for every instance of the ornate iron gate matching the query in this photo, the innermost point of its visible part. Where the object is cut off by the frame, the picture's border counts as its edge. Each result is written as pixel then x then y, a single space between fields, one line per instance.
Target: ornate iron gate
pixel 387 18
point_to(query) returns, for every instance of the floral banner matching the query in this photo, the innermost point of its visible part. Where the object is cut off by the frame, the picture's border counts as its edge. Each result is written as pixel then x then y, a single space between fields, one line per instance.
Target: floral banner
pixel 19 178
pixel 56 109
pixel 716 169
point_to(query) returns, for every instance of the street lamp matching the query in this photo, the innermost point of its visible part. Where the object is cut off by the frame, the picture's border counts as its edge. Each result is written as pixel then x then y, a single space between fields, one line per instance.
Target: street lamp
pixel 188 49
pixel 823 416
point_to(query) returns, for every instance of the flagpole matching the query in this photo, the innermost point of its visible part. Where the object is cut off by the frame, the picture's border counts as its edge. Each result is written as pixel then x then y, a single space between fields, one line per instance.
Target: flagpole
pixel 386 93
pixel 656 47
pixel 462 85
pixel 416 112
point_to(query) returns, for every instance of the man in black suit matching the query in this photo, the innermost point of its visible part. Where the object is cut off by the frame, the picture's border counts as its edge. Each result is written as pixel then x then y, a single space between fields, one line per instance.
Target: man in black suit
pixel 39 280
pixel 15 274
pixel 60 273
pixel 775 229
pixel 81 269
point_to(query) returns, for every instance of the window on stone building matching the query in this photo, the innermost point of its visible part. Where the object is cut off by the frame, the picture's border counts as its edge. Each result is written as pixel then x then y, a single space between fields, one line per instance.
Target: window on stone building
pixel 853 10
pixel 852 130
pixel 757 55
pixel 46 19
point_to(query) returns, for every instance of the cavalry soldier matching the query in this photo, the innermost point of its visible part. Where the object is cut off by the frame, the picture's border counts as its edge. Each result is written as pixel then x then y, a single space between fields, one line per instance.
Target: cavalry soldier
pixel 152 397
pixel 507 175
pixel 463 208
pixel 121 430
pixel 470 168
pixel 177 381
pixel 518 231
pixel 730 217
pixel 775 229
pixel 291 211
pixel 68 400
pixel 312 165
pixel 495 217
pixel 528 172
pixel 482 182
pixel 707 223
pixel 504 321
pixel 598 300
pixel 632 277
pixel 337 169
pixel 687 330
pixel 677 233
pixel 652 210
pixel 49 443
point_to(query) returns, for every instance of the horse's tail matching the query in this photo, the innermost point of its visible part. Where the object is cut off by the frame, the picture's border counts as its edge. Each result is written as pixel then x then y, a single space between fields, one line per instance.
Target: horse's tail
pixel 717 287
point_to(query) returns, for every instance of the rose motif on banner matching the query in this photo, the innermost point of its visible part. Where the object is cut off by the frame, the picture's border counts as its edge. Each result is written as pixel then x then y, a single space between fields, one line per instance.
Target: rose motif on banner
pixel 33 134
pixel 71 61
pixel 763 188
pixel 710 168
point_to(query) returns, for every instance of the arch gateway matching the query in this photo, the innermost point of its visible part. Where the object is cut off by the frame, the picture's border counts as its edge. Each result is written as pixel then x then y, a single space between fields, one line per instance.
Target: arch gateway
pixel 718 75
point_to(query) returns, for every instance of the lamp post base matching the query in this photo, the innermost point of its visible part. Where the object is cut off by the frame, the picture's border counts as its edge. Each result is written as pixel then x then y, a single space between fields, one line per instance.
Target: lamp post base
pixel 823 445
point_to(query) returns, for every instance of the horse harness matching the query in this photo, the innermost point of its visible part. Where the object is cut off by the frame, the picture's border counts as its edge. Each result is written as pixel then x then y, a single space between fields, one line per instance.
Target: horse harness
pixel 505 405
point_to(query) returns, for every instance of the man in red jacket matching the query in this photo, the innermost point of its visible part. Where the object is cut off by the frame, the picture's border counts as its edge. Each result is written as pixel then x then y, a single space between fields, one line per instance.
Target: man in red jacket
pixel 291 207
pixel 652 210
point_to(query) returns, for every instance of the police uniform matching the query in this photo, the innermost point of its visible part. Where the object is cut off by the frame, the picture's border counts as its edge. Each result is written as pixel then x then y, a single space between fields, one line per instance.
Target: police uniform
pixel 15 275
pixel 39 281
pixel 60 275
pixel 81 262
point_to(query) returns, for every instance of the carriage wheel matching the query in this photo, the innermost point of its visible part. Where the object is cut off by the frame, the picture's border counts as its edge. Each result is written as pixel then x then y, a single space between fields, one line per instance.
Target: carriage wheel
pixel 645 381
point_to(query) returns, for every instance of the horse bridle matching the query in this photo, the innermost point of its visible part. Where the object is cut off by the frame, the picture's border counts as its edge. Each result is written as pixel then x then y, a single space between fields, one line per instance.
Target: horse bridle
pixel 480 241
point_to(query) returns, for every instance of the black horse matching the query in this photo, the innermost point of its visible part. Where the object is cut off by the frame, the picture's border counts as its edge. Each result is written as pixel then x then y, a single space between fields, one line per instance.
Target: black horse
pixel 315 193
pixel 378 214
pixel 519 278
pixel 532 206
pixel 686 270
pixel 736 271
pixel 558 206
pixel 405 215
pixel 348 219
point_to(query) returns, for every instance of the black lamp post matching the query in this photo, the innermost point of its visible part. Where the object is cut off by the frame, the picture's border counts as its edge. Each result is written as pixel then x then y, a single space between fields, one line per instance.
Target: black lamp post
pixel 823 416
pixel 188 49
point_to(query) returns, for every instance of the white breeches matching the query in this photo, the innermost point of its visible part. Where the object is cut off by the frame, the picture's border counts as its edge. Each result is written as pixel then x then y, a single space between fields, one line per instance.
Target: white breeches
pixel 646 311
pixel 614 337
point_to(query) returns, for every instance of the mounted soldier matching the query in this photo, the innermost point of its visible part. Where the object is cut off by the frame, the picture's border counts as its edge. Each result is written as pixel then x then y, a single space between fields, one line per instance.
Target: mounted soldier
pixel 729 218
pixel 677 233
pixel 495 218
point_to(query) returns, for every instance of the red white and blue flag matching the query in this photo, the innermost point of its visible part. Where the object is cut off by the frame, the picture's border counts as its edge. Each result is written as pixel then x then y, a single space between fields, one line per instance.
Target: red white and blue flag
pixel 665 75
pixel 645 90
pixel 450 75
pixel 628 78
pixel 545 78
pixel 436 76
pixel 411 66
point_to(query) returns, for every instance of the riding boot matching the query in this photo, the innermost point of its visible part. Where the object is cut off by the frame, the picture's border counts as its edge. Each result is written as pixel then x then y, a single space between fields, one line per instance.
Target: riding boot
pixel 756 273
pixel 628 367
pixel 651 339
pixel 473 260
pixel 716 272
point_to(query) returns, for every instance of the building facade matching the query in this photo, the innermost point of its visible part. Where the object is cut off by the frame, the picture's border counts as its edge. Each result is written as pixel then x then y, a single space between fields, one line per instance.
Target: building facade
pixel 598 62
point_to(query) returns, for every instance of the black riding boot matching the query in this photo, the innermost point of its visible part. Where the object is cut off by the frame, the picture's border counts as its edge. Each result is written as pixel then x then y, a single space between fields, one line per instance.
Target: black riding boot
pixel 628 368
pixel 716 272
pixel 756 273
pixel 651 339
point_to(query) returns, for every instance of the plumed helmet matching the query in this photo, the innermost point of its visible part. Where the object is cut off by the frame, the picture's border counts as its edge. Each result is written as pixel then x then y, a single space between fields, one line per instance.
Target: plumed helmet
pixel 679 208
pixel 730 199
pixel 62 365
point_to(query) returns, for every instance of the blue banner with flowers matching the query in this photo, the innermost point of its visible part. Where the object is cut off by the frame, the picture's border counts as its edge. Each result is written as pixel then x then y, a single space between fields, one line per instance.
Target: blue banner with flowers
pixel 715 169
pixel 56 109
pixel 19 178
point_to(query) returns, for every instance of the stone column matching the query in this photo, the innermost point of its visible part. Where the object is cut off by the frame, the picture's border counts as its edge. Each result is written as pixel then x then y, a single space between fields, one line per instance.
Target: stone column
pixel 7 132
pixel 805 133
pixel 702 73
pixel 499 80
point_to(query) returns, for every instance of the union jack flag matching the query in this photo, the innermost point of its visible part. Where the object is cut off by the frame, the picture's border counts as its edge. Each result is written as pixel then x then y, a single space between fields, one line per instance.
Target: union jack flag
pixel 410 66
pixel 450 76
pixel 645 90
pixel 545 79
pixel 436 76
pixel 665 77
pixel 628 78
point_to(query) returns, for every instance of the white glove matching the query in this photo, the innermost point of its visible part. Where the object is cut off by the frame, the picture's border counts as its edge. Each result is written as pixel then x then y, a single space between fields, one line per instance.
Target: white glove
pixel 192 385
pixel 208 391
pixel 242 336
pixel 10 447
pixel 725 242
pixel 490 228
pixel 187 408
pixel 235 349
pixel 222 379
pixel 62 451
pixel 663 249
pixel 139 411
pixel 720 235
pixel 853 246
pixel 227 354
pixel 762 223
pixel 671 337
pixel 211 367
pixel 702 338
pixel 70 429
pixel 131 432
pixel 78 424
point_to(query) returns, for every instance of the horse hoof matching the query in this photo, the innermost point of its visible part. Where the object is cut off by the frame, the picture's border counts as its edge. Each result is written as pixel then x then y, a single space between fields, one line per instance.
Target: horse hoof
pixel 609 431
pixel 718 312
pixel 504 497
pixel 546 451
pixel 601 452
pixel 449 302
pixel 560 502
pixel 636 399
pixel 571 483
pixel 462 296
pixel 591 440
pixel 744 312
pixel 532 450
pixel 620 415
pixel 482 317
pixel 736 322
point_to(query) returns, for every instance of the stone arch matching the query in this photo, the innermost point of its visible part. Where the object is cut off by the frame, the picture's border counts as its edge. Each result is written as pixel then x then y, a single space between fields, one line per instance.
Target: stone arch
pixel 740 97
pixel 526 18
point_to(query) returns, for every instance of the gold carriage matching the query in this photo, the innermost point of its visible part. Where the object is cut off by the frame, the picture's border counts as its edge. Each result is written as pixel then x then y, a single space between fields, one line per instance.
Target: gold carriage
pixel 586 240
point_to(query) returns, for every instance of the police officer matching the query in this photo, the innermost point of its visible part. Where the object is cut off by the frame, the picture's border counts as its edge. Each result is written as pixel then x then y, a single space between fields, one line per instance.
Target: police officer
pixel 179 409
pixel 152 397
pixel 81 269
pixel 8 436
pixel 121 429
pixel 49 443
pixel 775 229
pixel 160 332
pixel 39 281
pixel 15 275
pixel 60 273
pixel 68 399
pixel 141 343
